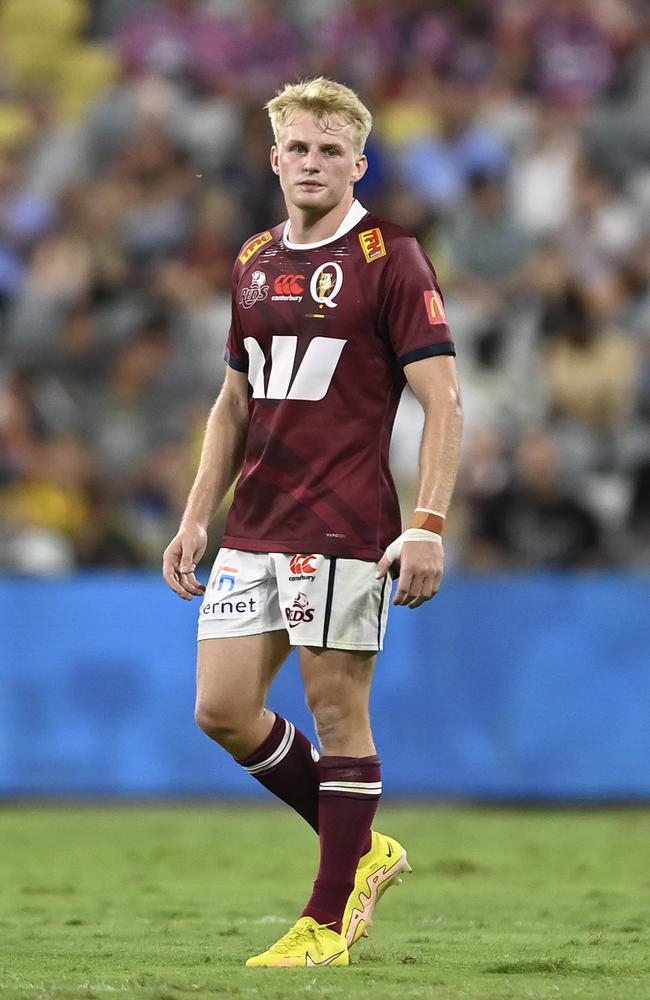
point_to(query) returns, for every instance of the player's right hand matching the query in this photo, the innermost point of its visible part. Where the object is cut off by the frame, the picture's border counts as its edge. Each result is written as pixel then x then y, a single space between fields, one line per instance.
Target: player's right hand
pixel 180 560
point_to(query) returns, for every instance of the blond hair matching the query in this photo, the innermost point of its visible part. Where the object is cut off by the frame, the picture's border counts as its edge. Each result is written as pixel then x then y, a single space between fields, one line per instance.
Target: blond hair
pixel 325 99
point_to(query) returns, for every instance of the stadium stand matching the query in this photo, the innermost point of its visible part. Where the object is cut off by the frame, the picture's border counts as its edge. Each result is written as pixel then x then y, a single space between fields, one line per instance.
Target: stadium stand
pixel 510 138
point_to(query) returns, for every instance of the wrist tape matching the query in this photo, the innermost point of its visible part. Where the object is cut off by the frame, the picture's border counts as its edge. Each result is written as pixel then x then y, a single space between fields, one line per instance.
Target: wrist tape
pixel 394 550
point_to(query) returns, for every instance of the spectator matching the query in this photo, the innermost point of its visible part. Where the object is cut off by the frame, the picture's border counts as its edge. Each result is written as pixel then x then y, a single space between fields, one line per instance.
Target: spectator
pixel 534 521
pixel 488 247
pixel 592 373
pixel 438 167
pixel 267 47
pixel 176 38
pixel 510 138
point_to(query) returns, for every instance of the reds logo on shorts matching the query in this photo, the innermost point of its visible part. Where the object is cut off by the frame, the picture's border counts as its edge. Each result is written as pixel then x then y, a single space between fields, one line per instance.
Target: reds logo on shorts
pixel 299 611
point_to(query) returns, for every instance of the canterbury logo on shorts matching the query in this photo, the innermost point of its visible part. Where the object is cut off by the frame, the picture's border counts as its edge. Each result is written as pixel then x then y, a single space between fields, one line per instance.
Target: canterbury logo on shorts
pixel 302 564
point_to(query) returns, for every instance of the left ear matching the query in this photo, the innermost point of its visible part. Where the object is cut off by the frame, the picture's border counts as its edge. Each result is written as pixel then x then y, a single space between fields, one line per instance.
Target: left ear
pixel 360 167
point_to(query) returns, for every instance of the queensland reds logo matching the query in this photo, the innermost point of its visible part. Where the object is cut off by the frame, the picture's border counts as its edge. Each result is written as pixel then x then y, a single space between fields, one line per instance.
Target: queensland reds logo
pixel 302 567
pixel 299 612
pixel 326 283
pixel 256 292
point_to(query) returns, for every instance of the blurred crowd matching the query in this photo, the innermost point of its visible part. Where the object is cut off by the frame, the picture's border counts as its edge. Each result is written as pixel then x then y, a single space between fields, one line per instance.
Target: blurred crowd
pixel 512 138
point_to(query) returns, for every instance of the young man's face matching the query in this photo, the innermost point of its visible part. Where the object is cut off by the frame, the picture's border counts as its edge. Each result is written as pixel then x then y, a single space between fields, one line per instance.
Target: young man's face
pixel 317 166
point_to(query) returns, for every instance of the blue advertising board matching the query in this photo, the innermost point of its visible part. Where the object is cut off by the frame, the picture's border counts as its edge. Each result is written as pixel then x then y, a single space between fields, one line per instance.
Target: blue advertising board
pixel 503 688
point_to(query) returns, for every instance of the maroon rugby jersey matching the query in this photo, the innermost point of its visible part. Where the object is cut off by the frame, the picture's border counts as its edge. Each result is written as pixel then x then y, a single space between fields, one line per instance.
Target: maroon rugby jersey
pixel 324 332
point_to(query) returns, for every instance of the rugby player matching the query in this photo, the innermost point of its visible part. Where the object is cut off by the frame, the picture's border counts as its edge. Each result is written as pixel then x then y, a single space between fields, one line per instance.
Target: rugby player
pixel 333 311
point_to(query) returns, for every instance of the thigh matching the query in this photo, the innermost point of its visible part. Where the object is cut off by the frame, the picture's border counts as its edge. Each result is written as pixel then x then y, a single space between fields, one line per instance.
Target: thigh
pixel 237 672
pixel 333 603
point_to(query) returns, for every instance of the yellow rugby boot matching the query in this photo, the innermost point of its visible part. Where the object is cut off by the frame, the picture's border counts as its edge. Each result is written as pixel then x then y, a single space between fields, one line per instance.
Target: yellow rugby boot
pixel 308 943
pixel 381 867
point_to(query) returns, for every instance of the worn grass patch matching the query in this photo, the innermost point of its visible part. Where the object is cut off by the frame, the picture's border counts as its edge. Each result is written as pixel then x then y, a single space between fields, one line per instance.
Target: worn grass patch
pixel 160 903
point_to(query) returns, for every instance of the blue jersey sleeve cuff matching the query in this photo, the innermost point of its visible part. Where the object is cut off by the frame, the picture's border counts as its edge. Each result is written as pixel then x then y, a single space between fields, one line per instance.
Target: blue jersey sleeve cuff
pixel 432 351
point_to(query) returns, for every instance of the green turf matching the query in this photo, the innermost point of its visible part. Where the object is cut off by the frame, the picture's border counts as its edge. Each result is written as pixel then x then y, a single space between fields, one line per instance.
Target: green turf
pixel 161 903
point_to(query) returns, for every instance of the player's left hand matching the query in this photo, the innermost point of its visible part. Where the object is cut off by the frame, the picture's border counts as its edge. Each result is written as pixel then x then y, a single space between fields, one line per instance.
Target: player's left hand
pixel 421 562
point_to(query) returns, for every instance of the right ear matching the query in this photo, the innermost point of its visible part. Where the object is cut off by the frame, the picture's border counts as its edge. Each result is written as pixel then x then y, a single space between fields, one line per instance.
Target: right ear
pixel 275 166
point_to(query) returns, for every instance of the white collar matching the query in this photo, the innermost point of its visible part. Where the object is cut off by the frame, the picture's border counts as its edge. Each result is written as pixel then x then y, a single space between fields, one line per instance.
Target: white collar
pixel 355 214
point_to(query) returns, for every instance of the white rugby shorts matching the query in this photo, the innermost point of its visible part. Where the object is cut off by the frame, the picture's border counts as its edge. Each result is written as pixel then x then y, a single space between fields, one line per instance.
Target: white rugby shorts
pixel 322 601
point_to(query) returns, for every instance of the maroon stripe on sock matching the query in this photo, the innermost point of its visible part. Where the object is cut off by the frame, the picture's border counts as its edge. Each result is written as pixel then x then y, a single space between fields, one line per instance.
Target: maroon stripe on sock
pixel 363 769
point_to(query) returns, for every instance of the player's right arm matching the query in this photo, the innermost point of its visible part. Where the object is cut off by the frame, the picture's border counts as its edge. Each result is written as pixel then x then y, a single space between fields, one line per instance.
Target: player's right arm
pixel 222 455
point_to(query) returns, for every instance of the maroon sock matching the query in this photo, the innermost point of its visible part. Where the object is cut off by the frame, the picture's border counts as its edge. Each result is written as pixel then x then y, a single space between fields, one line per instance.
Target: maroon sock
pixel 348 795
pixel 285 763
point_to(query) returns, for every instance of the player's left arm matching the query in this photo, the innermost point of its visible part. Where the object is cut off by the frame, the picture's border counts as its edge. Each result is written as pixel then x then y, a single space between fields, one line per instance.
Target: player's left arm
pixel 420 549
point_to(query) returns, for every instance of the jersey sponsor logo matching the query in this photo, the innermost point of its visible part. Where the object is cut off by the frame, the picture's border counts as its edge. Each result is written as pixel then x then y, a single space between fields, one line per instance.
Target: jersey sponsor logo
pixel 288 288
pixel 434 307
pixel 312 378
pixel 372 244
pixel 299 612
pixel 253 245
pixel 303 568
pixel 326 283
pixel 256 291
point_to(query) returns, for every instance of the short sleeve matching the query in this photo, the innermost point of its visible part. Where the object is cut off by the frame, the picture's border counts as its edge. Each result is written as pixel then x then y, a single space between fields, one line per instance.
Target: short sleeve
pixel 413 311
pixel 235 354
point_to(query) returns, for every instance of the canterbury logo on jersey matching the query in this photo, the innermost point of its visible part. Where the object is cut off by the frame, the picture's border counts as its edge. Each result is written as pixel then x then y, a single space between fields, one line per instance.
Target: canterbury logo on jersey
pixel 289 284
pixel 253 245
pixel 312 378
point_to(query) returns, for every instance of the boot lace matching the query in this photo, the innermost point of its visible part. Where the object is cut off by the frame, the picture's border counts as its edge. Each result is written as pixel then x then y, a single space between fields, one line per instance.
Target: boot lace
pixel 297 936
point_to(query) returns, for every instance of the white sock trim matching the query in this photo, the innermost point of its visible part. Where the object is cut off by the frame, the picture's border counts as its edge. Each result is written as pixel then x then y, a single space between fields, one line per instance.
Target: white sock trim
pixel 278 754
pixel 363 787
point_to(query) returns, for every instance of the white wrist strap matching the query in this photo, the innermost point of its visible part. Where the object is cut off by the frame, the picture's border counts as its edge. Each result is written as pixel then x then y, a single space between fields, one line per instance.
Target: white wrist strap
pixel 394 550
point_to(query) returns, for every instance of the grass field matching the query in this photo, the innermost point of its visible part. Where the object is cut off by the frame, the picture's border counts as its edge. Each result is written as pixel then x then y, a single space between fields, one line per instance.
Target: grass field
pixel 160 903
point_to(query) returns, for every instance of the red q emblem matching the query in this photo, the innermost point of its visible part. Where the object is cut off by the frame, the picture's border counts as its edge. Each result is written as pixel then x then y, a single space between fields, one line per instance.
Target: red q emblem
pixel 289 284
pixel 302 564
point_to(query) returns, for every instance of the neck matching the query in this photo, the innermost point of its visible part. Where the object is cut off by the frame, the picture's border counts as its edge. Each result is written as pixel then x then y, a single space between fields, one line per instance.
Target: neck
pixel 310 227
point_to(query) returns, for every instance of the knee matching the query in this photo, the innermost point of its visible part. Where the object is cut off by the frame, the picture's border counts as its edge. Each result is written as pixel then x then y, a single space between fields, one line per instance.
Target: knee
pixel 222 722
